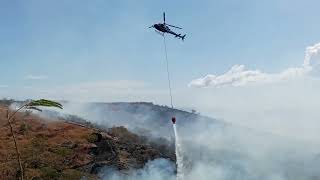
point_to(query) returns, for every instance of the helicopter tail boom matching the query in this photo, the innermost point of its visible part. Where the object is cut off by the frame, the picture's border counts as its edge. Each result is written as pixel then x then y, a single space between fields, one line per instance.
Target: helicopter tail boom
pixel 179 35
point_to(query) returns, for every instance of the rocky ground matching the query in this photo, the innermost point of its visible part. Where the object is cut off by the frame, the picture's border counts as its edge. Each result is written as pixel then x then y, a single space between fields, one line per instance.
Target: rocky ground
pixel 60 149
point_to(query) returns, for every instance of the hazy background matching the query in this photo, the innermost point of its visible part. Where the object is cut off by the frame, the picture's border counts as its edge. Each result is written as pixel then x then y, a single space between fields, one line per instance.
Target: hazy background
pixel 254 64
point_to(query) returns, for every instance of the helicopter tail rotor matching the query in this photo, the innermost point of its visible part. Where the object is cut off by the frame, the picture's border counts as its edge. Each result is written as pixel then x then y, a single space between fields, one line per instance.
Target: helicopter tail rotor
pixel 182 37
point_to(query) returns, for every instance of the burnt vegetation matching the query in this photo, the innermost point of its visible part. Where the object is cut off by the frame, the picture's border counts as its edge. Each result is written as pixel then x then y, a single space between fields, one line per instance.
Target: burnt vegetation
pixel 70 147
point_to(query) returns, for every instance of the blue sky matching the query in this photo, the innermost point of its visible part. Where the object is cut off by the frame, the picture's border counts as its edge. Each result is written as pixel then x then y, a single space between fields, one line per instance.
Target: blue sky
pixel 104 51
pixel 73 42
pixel 76 41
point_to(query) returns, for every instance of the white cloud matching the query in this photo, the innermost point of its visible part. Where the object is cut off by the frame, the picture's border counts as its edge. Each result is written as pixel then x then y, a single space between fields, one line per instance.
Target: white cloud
pixel 284 103
pixel 3 86
pixel 238 75
pixel 312 59
pixel 36 77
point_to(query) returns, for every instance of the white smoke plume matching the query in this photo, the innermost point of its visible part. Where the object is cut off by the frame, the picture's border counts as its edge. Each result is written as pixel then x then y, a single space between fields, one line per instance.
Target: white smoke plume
pixel 159 169
pixel 213 150
pixel 238 75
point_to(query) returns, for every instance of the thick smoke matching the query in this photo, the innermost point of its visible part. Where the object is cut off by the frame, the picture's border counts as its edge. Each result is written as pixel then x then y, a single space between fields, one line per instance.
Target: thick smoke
pixel 233 153
pixel 159 169
pixel 138 117
pixel 211 149
pixel 239 76
pixel 214 149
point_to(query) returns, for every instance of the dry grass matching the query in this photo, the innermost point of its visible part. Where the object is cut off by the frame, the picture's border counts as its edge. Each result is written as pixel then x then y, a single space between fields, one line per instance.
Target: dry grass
pixel 49 148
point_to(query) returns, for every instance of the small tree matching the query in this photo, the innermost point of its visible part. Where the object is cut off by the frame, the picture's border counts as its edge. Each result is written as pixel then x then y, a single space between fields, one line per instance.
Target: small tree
pixel 32 105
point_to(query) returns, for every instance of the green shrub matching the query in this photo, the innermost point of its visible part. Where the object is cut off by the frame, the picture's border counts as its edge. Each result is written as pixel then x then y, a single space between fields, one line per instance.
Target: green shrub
pixel 49 173
pixel 62 151
pixel 92 138
pixel 71 174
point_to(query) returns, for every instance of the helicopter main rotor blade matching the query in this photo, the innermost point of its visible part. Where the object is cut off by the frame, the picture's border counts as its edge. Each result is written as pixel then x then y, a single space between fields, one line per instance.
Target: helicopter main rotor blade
pixel 173 26
pixel 164 17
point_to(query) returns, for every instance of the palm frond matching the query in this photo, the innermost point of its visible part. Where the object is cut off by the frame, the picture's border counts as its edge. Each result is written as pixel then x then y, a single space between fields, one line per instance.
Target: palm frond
pixel 44 102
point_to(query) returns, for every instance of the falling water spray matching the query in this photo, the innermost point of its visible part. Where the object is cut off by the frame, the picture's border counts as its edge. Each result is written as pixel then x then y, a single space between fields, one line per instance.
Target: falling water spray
pixel 178 154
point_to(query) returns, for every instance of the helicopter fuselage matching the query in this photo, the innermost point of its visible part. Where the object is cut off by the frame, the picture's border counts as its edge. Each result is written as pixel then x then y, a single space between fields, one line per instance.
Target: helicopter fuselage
pixel 162 27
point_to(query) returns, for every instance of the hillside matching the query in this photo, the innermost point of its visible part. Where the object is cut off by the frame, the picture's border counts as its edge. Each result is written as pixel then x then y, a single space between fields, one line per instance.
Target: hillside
pixel 113 141
pixel 139 117
pixel 54 148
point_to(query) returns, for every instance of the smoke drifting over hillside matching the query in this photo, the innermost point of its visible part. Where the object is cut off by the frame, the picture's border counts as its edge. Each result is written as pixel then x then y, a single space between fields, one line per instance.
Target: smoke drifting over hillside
pixel 214 149
pixel 211 149
pixel 160 169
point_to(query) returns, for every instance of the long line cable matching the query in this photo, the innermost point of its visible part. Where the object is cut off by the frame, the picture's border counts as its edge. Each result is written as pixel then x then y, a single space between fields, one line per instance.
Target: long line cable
pixel 177 143
pixel 168 72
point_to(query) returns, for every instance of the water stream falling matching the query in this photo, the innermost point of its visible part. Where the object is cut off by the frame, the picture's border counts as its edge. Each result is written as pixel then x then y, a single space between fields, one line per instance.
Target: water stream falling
pixel 178 155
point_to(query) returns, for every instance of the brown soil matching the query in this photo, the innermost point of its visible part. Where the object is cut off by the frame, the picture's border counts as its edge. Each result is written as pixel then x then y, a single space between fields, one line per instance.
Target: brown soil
pixel 56 149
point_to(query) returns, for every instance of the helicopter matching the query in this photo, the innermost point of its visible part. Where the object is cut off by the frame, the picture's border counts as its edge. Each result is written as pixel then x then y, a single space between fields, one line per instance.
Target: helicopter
pixel 164 28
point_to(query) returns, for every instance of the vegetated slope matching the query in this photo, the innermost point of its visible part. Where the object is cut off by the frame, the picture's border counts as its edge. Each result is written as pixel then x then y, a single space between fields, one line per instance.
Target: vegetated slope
pixel 57 149
pixel 208 144
pixel 139 116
